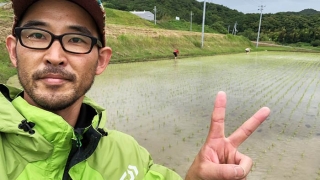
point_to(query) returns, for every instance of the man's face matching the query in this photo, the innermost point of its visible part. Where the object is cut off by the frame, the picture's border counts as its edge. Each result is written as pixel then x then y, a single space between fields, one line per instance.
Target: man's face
pixel 54 79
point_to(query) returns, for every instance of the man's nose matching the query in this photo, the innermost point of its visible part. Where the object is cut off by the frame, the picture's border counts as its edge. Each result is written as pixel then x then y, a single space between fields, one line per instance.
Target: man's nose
pixel 55 54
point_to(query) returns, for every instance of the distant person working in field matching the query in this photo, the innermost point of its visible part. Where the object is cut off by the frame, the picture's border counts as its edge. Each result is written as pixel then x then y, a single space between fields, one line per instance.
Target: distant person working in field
pixel 247 50
pixel 175 53
pixel 51 130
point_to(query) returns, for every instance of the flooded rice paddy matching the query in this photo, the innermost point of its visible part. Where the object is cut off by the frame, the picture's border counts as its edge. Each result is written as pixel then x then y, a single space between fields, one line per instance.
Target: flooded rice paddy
pixel 166 105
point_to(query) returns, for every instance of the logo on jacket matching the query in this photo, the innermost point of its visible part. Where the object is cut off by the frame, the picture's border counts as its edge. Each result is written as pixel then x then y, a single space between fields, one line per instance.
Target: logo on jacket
pixel 130 173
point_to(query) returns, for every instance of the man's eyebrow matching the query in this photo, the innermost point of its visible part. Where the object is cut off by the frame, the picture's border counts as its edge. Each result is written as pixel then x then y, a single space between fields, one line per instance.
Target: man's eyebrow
pixel 81 29
pixel 34 23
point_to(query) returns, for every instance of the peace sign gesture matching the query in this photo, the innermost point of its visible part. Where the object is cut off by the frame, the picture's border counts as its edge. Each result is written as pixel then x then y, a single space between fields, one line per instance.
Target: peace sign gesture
pixel 219 158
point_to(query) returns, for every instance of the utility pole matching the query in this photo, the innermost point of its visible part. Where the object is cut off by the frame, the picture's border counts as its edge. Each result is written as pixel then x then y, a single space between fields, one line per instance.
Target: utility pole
pixel 191 14
pixel 235 30
pixel 203 20
pixel 155 14
pixel 261 9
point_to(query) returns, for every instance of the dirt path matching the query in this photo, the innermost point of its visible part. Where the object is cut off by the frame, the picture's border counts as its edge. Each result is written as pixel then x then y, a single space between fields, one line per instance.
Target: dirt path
pixel 116 30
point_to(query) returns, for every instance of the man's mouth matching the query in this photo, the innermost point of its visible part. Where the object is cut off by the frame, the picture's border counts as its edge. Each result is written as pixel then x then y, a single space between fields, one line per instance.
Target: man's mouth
pixel 54 79
pixel 54 76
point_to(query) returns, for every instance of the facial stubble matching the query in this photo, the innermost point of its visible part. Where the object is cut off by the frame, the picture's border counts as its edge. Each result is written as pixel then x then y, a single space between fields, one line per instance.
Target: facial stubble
pixel 56 99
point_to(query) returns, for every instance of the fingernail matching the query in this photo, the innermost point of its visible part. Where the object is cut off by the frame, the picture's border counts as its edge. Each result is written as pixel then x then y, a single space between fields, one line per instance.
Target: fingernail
pixel 239 171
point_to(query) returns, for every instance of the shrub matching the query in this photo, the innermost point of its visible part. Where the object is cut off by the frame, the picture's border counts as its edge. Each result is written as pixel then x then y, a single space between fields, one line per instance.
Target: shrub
pixel 315 43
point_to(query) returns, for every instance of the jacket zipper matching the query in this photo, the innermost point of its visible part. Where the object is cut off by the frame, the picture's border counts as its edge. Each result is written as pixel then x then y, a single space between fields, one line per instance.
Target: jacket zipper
pixel 76 144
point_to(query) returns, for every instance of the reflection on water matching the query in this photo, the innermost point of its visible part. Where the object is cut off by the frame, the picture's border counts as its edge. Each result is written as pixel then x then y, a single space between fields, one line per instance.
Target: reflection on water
pixel 166 105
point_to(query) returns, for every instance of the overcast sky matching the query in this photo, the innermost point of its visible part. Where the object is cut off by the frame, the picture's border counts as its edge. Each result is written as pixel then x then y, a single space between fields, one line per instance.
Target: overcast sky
pixel 271 6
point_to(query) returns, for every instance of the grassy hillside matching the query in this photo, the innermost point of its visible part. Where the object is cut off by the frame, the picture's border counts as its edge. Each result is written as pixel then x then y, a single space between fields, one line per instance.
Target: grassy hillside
pixel 133 39
pixel 156 44
pixel 126 18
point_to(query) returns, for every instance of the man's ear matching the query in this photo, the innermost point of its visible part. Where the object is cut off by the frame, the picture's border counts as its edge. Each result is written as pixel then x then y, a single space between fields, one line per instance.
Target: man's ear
pixel 104 59
pixel 11 44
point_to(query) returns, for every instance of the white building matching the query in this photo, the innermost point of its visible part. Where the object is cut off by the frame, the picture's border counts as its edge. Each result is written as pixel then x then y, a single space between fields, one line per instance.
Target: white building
pixel 144 14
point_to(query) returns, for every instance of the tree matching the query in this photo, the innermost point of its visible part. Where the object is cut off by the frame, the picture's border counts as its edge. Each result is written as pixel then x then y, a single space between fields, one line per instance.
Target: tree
pixel 219 27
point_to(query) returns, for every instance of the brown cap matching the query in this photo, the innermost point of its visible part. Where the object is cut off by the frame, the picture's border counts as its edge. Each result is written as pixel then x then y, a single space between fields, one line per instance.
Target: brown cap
pixel 93 7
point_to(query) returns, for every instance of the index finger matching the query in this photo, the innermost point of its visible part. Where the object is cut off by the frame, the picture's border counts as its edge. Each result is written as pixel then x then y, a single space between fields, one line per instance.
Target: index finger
pixel 218 116
pixel 248 127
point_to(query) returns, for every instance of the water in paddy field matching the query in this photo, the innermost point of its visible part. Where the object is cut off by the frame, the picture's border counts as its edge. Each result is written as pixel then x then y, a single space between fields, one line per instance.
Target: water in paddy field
pixel 166 106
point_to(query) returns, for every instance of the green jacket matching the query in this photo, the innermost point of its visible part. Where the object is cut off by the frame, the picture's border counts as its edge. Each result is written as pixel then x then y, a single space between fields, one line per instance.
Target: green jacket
pixel 39 145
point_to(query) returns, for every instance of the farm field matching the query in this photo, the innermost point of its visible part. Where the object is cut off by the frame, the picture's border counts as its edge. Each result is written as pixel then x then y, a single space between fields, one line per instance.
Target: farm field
pixel 166 105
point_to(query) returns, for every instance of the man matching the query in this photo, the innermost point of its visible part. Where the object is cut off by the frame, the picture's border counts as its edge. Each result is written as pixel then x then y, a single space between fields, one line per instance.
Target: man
pixel 50 130
pixel 247 50
pixel 175 53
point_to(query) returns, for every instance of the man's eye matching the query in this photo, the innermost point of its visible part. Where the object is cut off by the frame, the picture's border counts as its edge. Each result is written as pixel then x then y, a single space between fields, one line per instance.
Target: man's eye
pixel 76 40
pixel 36 36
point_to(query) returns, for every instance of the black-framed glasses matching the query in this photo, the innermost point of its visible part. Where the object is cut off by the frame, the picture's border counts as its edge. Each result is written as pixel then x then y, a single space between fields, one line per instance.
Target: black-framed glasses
pixel 36 38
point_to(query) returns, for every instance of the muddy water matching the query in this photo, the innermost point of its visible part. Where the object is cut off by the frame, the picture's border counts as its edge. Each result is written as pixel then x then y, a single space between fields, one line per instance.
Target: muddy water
pixel 166 105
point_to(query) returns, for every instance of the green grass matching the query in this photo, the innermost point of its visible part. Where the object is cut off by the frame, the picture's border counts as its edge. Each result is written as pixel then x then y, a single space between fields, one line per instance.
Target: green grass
pixel 126 18
pixel 184 26
pixel 132 48
pixel 114 16
pixel 288 49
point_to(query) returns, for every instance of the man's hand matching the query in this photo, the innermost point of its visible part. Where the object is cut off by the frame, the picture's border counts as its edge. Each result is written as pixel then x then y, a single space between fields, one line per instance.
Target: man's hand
pixel 219 158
